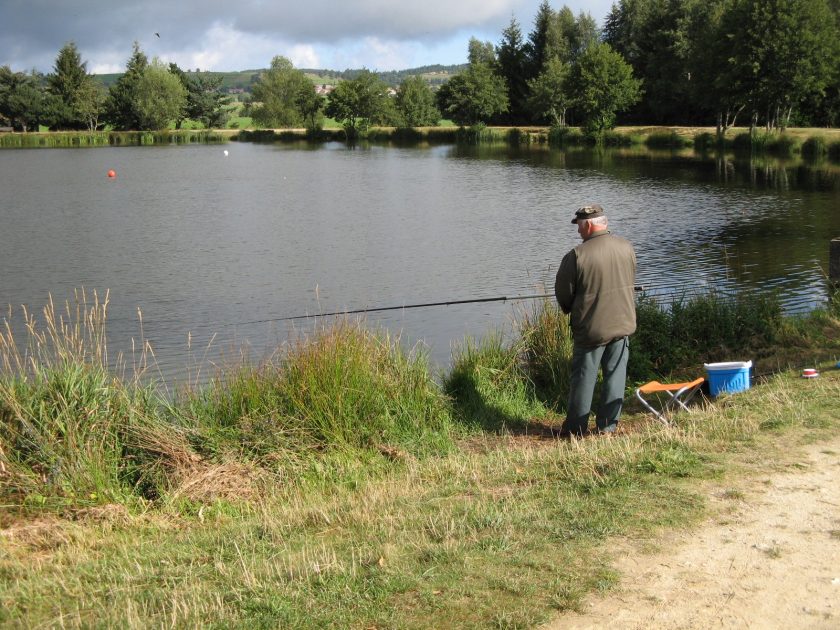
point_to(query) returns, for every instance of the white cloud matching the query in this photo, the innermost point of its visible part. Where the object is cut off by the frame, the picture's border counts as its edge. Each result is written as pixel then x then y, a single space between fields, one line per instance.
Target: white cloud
pixel 246 34
pixel 105 68
pixel 304 56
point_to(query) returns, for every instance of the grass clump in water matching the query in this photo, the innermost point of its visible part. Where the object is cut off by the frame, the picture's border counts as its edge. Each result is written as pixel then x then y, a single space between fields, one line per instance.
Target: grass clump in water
pixel 667 140
pixel 814 148
pixel 565 136
pixel 479 134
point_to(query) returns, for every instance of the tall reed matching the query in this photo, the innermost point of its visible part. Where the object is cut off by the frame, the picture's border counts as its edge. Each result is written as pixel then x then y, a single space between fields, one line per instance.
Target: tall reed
pixel 72 139
pixel 70 431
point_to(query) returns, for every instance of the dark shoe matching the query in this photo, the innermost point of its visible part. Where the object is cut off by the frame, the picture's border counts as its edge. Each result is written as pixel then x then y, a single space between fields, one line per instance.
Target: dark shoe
pixel 568 435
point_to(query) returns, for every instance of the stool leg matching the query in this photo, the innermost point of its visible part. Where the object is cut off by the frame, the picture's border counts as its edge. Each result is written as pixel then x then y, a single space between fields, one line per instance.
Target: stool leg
pixel 650 408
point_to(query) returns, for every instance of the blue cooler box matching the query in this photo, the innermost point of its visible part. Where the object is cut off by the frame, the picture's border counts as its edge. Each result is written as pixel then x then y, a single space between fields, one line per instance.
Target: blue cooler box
pixel 730 377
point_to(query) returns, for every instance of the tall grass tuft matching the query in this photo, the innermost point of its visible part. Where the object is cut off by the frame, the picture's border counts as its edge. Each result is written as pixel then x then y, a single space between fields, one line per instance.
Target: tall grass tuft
pixel 489 387
pixel 705 141
pixel 782 145
pixel 478 134
pixel 343 387
pixel 547 351
pixel 565 136
pixel 71 432
pixel 703 328
pixel 516 137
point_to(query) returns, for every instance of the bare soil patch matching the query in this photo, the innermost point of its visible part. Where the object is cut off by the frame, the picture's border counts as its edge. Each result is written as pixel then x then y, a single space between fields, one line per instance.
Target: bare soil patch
pixel 769 557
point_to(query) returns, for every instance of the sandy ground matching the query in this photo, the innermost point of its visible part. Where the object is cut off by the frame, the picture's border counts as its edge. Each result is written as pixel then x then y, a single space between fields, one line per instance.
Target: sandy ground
pixel 768 558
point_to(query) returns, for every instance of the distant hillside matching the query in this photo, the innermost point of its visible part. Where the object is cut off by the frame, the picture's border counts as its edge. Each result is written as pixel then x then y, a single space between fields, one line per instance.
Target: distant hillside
pixel 435 75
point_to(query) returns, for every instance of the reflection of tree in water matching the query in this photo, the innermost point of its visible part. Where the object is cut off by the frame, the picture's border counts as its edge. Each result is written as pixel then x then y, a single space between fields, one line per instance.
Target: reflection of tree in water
pixel 785 246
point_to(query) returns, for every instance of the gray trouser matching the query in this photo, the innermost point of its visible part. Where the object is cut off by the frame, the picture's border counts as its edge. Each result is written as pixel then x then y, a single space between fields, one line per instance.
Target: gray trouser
pixel 612 359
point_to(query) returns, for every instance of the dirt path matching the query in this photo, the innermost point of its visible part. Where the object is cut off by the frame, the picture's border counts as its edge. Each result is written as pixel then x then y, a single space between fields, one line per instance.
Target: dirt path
pixel 768 558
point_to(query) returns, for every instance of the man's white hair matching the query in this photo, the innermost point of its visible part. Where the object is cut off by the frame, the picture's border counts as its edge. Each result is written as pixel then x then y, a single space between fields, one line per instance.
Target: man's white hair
pixel 600 221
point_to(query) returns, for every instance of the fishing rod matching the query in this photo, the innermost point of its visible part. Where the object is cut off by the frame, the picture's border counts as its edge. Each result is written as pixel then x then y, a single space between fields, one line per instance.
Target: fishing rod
pixel 405 307
pixel 379 309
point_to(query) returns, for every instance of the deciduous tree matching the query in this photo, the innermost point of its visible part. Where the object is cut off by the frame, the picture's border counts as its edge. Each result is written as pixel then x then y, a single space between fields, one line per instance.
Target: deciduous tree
pixel 785 50
pixel 160 97
pixel 281 94
pixel 24 101
pixel 603 84
pixel 549 95
pixel 359 103
pixel 415 103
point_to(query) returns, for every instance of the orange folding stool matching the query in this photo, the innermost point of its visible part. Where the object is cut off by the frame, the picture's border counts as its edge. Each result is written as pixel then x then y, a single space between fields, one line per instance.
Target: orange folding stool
pixel 679 395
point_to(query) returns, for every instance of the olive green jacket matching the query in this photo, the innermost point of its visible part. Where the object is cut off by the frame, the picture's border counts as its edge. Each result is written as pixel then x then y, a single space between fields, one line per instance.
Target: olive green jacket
pixel 595 284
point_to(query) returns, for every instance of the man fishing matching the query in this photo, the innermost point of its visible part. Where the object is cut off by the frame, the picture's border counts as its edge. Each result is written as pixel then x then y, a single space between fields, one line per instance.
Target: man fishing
pixel 595 285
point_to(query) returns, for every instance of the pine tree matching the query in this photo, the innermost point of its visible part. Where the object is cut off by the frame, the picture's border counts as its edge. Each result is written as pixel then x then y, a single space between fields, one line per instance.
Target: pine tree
pixel 121 107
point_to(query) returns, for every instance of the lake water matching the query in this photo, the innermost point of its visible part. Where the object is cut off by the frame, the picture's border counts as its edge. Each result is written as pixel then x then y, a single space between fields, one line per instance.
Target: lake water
pixel 214 248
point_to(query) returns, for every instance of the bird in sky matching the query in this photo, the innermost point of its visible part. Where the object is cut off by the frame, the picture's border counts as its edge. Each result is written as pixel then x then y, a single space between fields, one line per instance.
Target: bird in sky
pixel 158 35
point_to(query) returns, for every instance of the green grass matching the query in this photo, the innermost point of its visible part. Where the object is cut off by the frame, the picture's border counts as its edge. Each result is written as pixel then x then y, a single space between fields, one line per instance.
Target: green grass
pixel 339 485
pixel 72 139
pixel 810 144
pixel 494 534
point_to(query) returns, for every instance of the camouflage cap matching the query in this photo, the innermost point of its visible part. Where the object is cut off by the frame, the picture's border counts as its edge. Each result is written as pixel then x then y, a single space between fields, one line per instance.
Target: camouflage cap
pixel 592 211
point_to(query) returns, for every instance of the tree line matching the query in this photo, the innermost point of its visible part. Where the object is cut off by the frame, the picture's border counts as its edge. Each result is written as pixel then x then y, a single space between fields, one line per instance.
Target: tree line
pixel 709 62
pixel 149 95
pixel 766 62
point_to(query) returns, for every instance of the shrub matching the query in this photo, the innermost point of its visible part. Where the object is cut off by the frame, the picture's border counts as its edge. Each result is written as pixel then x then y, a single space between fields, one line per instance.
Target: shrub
pixel 564 136
pixel 615 139
pixel 814 148
pixel 743 143
pixel 782 145
pixel 667 140
pixel 407 135
pixel 705 142
pixel 702 328
pixel 516 137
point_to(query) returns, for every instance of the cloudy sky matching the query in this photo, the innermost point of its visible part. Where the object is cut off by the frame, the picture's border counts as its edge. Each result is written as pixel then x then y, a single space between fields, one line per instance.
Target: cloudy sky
pixel 246 34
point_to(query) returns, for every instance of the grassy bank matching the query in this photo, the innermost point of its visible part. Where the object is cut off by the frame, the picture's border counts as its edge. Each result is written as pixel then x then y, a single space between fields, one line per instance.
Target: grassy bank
pixel 75 139
pixel 810 144
pixel 339 484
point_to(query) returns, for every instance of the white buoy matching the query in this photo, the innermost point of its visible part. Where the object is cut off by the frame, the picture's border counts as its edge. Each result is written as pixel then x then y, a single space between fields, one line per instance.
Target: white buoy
pixel 226 152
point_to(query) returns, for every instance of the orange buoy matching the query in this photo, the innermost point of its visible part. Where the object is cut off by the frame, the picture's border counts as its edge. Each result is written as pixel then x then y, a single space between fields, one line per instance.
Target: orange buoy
pixel 112 173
